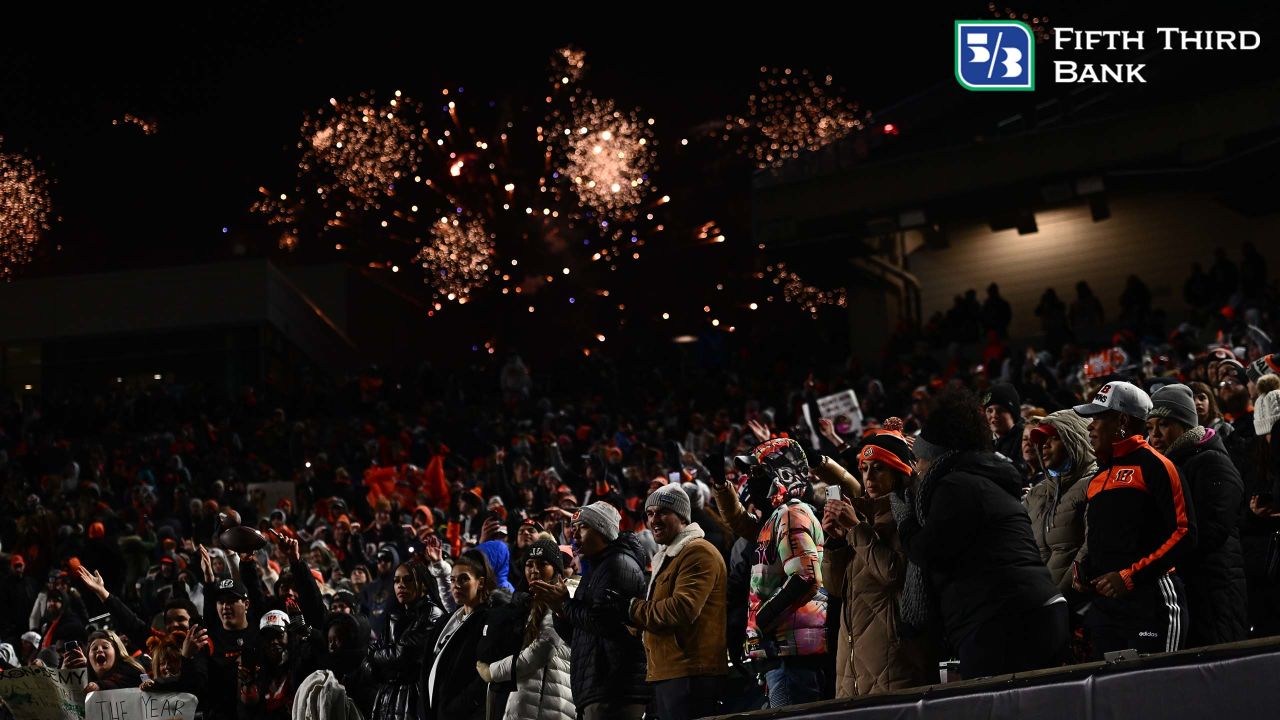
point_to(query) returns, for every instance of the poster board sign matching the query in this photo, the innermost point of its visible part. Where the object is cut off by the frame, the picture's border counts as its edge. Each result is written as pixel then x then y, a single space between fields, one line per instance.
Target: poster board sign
pixel 41 693
pixel 831 407
pixel 134 704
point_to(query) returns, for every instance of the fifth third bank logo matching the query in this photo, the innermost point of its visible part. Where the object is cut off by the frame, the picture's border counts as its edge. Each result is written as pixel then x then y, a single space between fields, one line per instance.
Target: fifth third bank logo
pixel 995 55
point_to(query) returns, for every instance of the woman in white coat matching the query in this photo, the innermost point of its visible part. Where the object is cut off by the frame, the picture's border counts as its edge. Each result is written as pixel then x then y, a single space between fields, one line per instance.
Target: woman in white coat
pixel 541 668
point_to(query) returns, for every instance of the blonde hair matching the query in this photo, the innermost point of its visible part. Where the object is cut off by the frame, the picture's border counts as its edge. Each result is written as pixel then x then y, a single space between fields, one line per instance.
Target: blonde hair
pixel 1267 383
pixel 122 654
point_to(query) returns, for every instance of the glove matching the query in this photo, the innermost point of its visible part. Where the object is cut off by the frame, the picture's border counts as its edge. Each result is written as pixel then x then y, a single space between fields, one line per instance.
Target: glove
pixel 483 669
pixel 614 608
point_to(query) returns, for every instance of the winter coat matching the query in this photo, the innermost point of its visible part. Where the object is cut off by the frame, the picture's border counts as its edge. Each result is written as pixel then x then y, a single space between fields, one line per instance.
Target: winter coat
pixel 322 697
pixel 976 545
pixel 608 662
pixel 541 674
pixel 789 544
pixel 395 660
pixel 1056 504
pixel 683 615
pixel 458 692
pixel 1217 597
pixel 866 568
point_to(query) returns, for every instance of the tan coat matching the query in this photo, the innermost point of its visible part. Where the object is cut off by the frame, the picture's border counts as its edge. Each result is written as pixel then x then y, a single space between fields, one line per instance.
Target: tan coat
pixel 683 616
pixel 868 571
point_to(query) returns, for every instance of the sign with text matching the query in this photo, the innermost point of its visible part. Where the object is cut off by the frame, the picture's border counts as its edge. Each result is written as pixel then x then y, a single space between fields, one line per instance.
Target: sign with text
pixel 40 693
pixel 134 704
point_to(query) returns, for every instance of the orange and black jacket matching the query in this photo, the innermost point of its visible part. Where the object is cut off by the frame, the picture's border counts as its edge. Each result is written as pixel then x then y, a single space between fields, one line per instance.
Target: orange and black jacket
pixel 1140 523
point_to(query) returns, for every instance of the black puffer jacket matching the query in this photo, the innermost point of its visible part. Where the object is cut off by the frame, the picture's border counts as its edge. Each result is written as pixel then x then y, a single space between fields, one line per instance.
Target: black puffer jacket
pixel 395 660
pixel 976 545
pixel 607 663
pixel 1217 597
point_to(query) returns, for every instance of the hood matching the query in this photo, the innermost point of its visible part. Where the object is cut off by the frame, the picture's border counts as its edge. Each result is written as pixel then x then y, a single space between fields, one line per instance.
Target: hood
pixel 499 557
pixel 1000 472
pixel 395 557
pixel 631 545
pixel 1074 431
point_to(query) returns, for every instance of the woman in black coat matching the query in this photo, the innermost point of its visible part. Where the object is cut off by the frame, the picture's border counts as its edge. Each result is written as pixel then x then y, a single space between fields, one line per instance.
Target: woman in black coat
pixel 395 661
pixel 1217 595
pixel 452 687
pixel 973 555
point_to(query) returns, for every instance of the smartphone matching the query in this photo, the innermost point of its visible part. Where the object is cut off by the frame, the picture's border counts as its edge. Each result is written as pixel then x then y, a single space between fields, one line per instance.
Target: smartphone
pixel 833 492
pixel 70 646
pixel 673 477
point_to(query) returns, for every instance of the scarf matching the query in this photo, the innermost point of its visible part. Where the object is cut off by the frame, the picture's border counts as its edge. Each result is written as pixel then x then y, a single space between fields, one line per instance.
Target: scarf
pixel 916 606
pixel 1194 436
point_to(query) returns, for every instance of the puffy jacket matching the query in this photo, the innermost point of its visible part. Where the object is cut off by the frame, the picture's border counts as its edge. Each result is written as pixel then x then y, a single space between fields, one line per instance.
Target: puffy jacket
pixel 976 544
pixel 608 661
pixel 789 544
pixel 395 660
pixel 866 567
pixel 683 615
pixel 1217 597
pixel 1057 503
pixel 541 674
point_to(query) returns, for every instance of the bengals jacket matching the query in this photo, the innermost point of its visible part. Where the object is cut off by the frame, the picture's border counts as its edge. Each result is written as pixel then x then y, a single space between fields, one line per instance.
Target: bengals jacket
pixel 1139 522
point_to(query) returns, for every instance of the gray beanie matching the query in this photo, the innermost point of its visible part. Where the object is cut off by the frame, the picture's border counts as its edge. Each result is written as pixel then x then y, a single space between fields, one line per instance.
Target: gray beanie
pixel 601 517
pixel 671 497
pixel 1176 403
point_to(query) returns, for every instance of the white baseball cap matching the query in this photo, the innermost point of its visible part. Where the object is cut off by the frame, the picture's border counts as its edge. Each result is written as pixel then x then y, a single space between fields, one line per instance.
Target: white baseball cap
pixel 274 619
pixel 1120 396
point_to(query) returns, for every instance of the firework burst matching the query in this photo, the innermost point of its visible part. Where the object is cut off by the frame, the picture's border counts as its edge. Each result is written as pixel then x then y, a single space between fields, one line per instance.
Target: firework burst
pixel 608 156
pixel 455 260
pixel 793 113
pixel 24 211
pixel 363 146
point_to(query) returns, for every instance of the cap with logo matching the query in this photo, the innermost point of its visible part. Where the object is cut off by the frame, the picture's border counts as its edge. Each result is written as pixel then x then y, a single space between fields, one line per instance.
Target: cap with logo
pixel 234 588
pixel 274 620
pixel 1120 396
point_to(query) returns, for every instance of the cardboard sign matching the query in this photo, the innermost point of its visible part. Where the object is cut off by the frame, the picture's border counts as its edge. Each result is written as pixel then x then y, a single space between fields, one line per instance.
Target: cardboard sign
pixel 40 693
pixel 134 704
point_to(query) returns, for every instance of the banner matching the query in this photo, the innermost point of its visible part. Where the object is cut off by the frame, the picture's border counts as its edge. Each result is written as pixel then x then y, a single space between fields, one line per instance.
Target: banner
pixel 134 704
pixel 40 693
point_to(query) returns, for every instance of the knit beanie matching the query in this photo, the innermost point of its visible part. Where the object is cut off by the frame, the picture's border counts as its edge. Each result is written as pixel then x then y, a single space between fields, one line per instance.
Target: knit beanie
pixel 546 551
pixel 1175 402
pixel 1265 412
pixel 889 447
pixel 604 518
pixel 671 497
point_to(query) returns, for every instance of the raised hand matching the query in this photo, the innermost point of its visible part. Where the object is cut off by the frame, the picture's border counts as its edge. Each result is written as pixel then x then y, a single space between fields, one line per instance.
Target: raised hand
pixel 206 564
pixel 760 431
pixel 432 550
pixel 93 581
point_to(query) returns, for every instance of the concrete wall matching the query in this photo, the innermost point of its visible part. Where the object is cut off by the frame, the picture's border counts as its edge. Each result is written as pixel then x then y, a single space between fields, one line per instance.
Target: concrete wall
pixel 1156 237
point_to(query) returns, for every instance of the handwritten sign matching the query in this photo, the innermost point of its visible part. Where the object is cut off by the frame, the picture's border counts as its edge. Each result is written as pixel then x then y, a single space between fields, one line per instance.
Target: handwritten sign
pixel 134 704
pixel 40 693
pixel 831 407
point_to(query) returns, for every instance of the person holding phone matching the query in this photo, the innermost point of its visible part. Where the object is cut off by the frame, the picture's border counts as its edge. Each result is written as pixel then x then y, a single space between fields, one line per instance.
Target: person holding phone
pixel 865 565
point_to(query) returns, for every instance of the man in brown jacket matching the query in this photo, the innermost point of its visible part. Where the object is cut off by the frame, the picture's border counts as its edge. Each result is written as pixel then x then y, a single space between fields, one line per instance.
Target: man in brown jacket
pixel 683 614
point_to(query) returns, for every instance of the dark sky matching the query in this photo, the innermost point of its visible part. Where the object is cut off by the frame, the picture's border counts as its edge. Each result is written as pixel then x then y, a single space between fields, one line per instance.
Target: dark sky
pixel 228 86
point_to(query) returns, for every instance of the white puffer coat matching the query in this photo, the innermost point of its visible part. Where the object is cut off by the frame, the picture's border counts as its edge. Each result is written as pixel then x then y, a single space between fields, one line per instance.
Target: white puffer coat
pixel 541 673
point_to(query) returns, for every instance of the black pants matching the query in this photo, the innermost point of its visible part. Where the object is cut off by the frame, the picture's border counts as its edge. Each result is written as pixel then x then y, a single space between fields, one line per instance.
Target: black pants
pixel 687 698
pixel 1029 640
pixel 1150 619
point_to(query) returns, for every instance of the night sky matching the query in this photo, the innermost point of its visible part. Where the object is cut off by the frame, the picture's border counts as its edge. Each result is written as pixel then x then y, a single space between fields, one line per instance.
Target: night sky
pixel 228 86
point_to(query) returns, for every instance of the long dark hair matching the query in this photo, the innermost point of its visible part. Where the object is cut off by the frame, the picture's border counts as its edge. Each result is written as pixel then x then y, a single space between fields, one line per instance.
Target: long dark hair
pixel 1199 388
pixel 419 575
pixel 479 564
